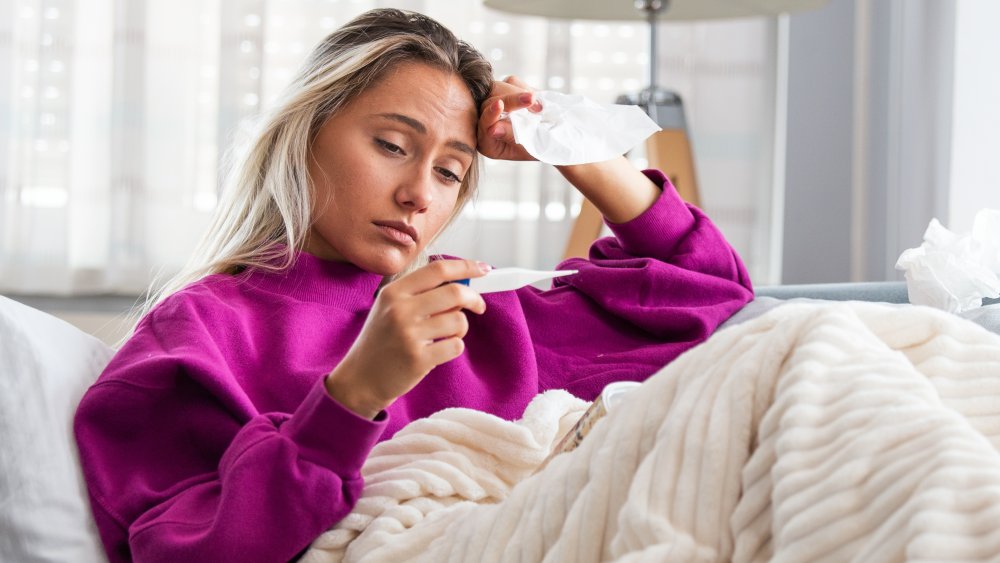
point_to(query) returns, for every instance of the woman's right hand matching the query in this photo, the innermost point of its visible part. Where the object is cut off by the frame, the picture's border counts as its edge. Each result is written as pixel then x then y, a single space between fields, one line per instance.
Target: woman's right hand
pixel 416 324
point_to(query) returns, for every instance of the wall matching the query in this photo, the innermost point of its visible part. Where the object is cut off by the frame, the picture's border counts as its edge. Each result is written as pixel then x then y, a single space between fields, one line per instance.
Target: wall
pixel 869 135
pixel 816 240
pixel 975 180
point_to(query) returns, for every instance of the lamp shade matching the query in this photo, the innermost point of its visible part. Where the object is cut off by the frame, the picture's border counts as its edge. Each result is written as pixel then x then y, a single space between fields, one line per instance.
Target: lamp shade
pixel 675 9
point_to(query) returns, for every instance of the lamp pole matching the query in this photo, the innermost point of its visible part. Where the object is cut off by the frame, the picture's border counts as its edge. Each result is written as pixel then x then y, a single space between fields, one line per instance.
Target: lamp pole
pixel 652 9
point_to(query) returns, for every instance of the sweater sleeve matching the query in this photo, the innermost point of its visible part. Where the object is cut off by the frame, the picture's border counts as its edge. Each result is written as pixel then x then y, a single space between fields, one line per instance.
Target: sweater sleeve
pixel 181 467
pixel 662 284
pixel 669 265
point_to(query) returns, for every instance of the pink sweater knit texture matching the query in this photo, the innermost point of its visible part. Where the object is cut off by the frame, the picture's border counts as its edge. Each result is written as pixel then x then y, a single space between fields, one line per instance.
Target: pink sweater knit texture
pixel 210 437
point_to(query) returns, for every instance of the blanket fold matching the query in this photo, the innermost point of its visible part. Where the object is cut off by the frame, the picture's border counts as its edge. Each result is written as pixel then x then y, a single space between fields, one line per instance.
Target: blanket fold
pixel 836 432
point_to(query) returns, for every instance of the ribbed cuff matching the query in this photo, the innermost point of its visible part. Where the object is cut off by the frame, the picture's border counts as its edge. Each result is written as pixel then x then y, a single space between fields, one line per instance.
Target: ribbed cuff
pixel 330 434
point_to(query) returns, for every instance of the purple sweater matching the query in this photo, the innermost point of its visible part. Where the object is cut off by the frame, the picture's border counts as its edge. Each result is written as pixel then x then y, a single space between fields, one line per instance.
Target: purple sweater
pixel 210 436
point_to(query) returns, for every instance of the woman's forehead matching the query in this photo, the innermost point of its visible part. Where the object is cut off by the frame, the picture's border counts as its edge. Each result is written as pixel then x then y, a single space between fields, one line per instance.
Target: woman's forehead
pixel 437 98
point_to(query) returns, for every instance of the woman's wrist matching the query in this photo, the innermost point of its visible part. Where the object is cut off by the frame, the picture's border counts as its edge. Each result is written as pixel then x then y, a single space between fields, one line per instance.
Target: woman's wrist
pixel 619 190
pixel 352 395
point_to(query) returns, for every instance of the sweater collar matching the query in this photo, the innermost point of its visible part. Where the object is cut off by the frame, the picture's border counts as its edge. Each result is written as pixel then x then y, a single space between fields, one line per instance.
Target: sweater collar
pixel 341 284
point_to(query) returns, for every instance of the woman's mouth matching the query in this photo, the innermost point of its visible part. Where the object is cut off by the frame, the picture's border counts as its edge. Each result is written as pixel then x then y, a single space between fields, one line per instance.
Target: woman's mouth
pixel 398 232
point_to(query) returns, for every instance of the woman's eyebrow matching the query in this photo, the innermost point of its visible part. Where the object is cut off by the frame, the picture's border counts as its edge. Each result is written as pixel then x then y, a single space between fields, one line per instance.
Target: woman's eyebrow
pixel 422 129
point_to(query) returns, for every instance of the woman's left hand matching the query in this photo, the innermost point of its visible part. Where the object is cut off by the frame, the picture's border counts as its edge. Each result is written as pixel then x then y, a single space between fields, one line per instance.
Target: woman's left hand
pixel 495 135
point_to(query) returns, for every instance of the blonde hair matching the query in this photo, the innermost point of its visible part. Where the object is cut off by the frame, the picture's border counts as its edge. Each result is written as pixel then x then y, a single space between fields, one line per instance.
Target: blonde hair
pixel 266 195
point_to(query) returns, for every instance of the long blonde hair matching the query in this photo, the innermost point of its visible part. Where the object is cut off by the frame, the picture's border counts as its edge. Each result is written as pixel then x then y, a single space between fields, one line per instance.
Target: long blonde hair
pixel 266 195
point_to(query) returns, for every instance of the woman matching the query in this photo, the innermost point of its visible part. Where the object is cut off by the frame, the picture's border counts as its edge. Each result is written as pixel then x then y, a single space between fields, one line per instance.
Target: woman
pixel 234 422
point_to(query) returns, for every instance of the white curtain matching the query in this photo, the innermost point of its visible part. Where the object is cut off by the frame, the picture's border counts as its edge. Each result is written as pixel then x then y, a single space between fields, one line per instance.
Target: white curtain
pixel 114 114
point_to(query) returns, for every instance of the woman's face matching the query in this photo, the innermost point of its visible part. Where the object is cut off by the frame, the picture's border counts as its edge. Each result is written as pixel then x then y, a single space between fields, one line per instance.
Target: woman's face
pixel 386 169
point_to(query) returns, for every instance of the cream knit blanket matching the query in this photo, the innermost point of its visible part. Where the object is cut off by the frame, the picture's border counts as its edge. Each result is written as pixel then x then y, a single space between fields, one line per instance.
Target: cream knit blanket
pixel 817 432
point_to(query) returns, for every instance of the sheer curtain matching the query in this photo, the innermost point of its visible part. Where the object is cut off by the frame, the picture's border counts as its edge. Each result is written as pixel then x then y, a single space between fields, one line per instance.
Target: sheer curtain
pixel 114 114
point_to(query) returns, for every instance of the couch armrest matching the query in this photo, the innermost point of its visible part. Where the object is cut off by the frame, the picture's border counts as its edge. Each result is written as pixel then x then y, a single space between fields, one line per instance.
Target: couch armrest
pixel 888 292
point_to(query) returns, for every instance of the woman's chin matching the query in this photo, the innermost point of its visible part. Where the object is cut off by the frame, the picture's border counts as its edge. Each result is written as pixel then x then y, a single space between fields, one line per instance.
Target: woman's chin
pixel 384 266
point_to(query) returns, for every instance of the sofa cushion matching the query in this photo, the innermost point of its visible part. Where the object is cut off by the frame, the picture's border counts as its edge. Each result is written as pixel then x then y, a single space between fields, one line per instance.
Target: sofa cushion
pixel 45 367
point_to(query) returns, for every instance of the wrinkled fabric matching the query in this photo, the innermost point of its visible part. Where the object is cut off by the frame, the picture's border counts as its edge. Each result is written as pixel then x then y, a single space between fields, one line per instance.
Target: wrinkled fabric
pixel 210 435
pixel 816 432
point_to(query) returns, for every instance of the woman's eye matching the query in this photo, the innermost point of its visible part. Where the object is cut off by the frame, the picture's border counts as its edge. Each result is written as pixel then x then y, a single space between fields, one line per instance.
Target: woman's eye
pixel 450 176
pixel 389 147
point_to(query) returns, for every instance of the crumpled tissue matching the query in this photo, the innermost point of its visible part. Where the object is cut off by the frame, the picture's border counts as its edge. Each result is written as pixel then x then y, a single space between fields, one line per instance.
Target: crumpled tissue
pixel 955 272
pixel 572 129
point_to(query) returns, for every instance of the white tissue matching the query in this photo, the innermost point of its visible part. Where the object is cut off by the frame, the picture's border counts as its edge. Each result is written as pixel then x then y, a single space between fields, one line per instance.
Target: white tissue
pixel 955 272
pixel 575 130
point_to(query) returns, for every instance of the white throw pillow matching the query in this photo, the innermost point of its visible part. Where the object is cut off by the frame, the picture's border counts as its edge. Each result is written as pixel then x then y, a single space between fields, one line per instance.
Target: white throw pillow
pixel 45 366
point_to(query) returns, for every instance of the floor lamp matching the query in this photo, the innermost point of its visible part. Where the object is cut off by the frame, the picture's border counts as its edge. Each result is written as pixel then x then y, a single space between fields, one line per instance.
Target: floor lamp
pixel 670 149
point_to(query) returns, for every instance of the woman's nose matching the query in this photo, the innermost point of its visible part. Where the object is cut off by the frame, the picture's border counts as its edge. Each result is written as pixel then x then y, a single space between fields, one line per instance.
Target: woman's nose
pixel 415 193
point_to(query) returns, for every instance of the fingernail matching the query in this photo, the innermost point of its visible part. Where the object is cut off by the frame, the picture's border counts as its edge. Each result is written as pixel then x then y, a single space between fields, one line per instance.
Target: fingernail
pixel 525 98
pixel 499 106
pixel 535 107
pixel 484 267
pixel 498 131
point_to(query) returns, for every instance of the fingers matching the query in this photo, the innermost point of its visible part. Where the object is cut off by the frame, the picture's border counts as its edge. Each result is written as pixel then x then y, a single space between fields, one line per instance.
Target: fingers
pixel 521 100
pixel 494 118
pixel 491 118
pixel 495 136
pixel 448 329
pixel 428 292
pixel 526 94
pixel 438 339
pixel 449 297
pixel 517 82
pixel 514 94
pixel 453 324
pixel 445 350
pixel 436 273
pixel 416 324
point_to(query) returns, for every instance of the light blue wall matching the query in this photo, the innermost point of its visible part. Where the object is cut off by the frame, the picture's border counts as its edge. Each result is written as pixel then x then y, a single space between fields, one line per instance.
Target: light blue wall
pixel 869 135
pixel 817 223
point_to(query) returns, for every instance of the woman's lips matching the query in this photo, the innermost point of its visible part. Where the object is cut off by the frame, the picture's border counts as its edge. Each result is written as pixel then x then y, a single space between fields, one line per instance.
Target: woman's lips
pixel 400 233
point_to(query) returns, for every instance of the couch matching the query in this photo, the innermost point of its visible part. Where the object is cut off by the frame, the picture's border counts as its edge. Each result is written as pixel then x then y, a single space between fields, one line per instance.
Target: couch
pixel 47 364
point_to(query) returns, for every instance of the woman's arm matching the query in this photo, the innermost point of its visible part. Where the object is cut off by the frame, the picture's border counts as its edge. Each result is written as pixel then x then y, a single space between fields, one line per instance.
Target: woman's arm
pixel 659 286
pixel 619 190
pixel 180 466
